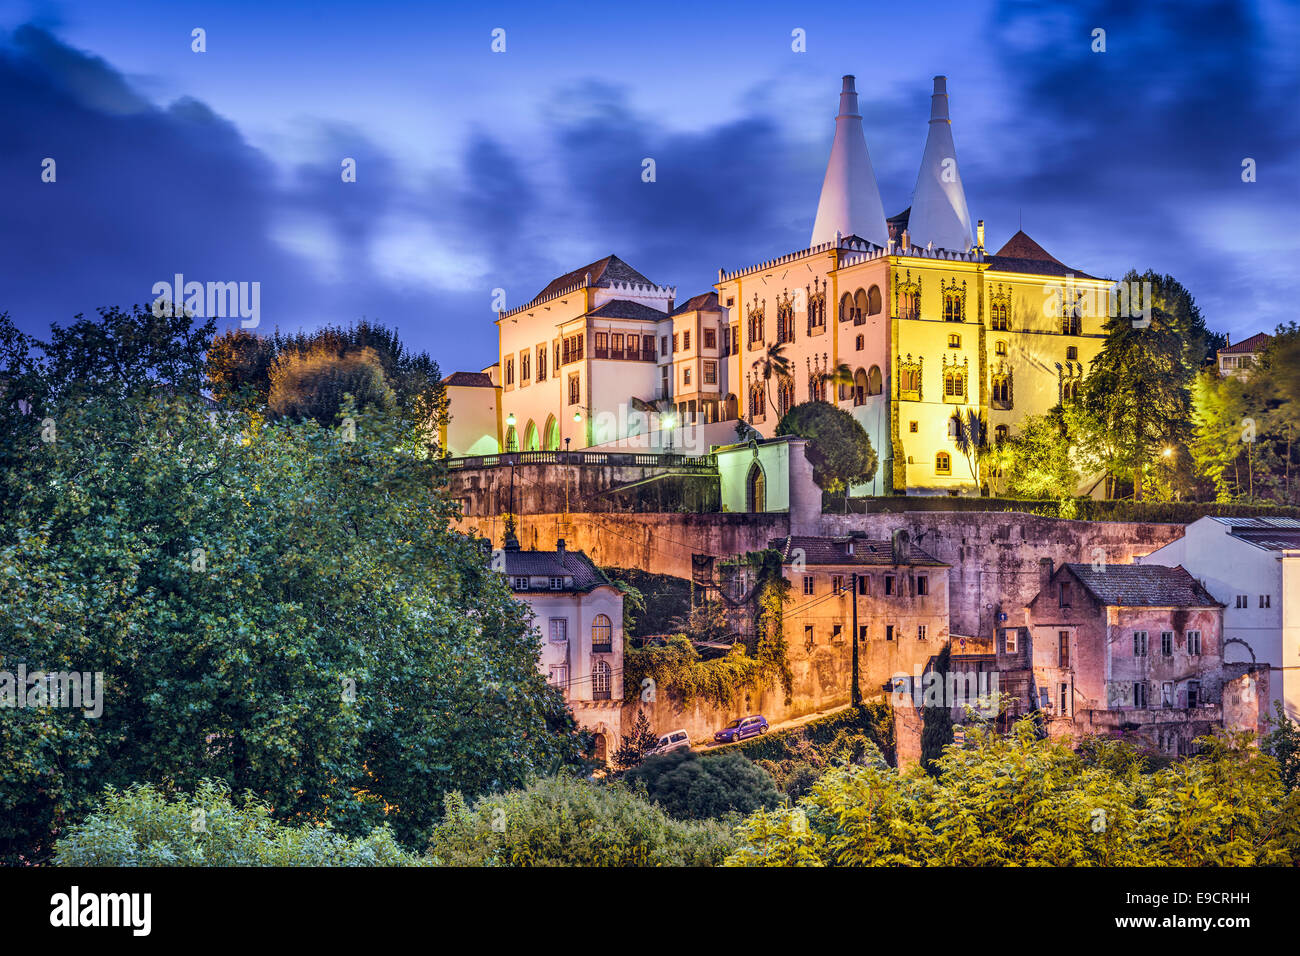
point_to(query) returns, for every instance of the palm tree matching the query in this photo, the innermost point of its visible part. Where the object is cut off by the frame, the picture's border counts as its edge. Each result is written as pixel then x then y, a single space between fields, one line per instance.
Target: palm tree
pixel 773 364
pixel 971 433
pixel 832 379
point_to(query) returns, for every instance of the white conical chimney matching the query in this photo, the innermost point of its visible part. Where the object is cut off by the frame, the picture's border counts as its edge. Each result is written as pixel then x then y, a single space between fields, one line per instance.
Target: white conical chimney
pixel 939 212
pixel 850 203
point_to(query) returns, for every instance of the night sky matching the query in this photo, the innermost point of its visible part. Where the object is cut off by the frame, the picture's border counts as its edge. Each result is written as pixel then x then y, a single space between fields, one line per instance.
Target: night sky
pixel 479 170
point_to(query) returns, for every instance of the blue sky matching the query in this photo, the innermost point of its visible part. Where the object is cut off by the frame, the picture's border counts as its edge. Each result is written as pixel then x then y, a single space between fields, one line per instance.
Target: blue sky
pixel 481 170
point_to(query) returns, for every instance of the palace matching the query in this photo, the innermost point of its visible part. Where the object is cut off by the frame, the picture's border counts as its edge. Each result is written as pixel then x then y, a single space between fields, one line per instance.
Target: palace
pixel 908 323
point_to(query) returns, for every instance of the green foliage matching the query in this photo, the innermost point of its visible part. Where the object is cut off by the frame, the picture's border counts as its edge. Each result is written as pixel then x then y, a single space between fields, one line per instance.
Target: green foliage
pixel 564 821
pixel 838 449
pixel 317 383
pixel 271 606
pixel 1283 745
pixel 1017 800
pixel 635 743
pixel 239 367
pixel 689 787
pixel 1084 509
pixel 676 665
pixel 665 598
pixel 936 722
pixel 1036 461
pixel 142 826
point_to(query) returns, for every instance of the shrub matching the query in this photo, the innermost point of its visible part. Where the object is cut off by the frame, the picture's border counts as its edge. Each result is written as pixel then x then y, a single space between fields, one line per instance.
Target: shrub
pixel 565 821
pixel 691 788
pixel 141 826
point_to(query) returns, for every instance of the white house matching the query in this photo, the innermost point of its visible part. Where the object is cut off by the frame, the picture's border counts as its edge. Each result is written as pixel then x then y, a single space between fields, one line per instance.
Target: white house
pixel 579 614
pixel 1252 565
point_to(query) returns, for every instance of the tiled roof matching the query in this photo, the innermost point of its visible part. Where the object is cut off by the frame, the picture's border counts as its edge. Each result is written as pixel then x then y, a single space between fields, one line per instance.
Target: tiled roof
pixel 836 551
pixel 1023 254
pixel 623 309
pixel 705 300
pixel 1256 343
pixel 555 564
pixel 1142 585
pixel 603 272
pixel 472 379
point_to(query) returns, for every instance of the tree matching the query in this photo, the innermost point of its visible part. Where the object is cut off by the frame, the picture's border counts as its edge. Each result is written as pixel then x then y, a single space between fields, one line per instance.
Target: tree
pixel 773 364
pixel 1283 745
pixel 563 821
pixel 315 384
pixel 936 720
pixel 239 367
pixel 1020 800
pixel 690 787
pixel 838 448
pixel 1037 461
pixel 971 434
pixel 142 826
pixel 635 744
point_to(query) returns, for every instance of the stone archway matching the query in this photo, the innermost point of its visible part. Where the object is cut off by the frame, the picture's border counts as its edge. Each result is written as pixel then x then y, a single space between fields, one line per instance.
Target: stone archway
pixel 756 489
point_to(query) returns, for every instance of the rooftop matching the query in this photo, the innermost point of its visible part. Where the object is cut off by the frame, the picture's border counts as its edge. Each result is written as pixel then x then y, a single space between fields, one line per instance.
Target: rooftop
pixel 1023 254
pixel 704 301
pixel 602 274
pixel 558 563
pixel 866 551
pixel 623 309
pixel 1271 534
pixel 1142 585
pixel 469 379
pixel 1256 343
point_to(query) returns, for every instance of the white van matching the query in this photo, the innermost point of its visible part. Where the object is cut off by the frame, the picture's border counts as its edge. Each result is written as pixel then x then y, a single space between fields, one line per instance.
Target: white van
pixel 673 740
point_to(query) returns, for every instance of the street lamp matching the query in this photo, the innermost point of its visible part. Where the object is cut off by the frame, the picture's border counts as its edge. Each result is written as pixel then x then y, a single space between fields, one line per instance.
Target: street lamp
pixel 666 423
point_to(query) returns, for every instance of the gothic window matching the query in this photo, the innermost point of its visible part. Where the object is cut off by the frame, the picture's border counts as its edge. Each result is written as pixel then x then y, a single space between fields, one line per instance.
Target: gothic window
pixel 859 307
pixel 755 315
pixel 1072 318
pixel 859 387
pixel 943 463
pixel 875 384
pixel 907 296
pixel 575 390
pixel 816 306
pixel 846 307
pixel 873 300
pixel 541 363
pixel 512 439
pixel 1001 398
pixel 785 395
pixel 859 344
pixel 954 301
pixel 755 489
pixel 530 437
pixel 1000 309
pixel 909 379
pixel 784 319
pixel 510 370
pixel 954 385
pixel 1000 434
pixel 757 412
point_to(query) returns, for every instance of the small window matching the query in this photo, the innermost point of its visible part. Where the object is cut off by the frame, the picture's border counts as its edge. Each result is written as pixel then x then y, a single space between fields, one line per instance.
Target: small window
pixel 710 338
pixel 943 463
pixel 1065 698
pixel 1167 643
pixel 602 634
pixel 710 373
pixel 686 341
pixel 1243 601
pixel 520 583
pixel 862 632
pixel 862 584
pixel 1000 348
pixel 1063 594
pixel 921 632
pixel 559 630
pixel 1009 641
pixel 808 634
pixel 913 427
pixel 922 585
pixel 837 632
pixel 1139 643
pixel 889 584
pixel 1266 600
pixel 663 344
pixel 557 584
pixel 1063 649
pixel 1193 693
pixel 807 584
pixel 837 583
pixel 1194 643
pixel 1140 694
pixel 1072 353
pixel 1167 694
pixel 954 341
pixel 889 632
pixel 676 337
pixel 686 375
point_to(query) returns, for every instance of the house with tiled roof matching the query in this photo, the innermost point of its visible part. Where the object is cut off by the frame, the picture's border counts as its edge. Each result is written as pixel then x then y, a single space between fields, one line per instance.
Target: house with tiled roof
pixel 1237 360
pixel 472 422
pixel 578 612
pixel 1252 567
pixel 1121 649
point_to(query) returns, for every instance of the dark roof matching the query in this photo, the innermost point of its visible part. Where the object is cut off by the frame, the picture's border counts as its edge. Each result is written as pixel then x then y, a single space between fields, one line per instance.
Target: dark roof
pixel 901 219
pixel 1256 343
pixel 474 379
pixel 705 301
pixel 1142 585
pixel 565 563
pixel 603 272
pixel 836 551
pixel 1023 254
pixel 623 309
pixel 1271 534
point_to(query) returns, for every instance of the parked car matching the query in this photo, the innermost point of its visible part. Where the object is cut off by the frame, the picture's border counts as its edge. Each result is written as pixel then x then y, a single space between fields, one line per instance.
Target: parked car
pixel 673 740
pixel 742 727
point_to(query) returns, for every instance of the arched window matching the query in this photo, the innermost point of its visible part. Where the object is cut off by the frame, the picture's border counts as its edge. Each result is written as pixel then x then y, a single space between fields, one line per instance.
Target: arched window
pixel 954 384
pixel 1002 391
pixel 757 411
pixel 859 306
pixel 943 463
pixel 552 435
pixel 730 409
pixel 602 634
pixel 859 387
pixel 530 437
pixel 600 681
pixel 785 395
pixel 846 307
pixel 755 489
pixel 873 300
pixel 1000 434
pixel 875 382
pixel 512 439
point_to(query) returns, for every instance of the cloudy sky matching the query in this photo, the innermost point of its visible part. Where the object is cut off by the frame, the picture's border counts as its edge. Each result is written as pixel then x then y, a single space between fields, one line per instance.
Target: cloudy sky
pixel 479 170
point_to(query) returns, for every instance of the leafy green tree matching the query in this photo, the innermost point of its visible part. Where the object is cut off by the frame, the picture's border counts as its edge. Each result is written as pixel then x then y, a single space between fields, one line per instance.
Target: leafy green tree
pixel 838 448
pixel 1036 462
pixel 239 367
pixel 142 826
pixel 690 787
pixel 1021 800
pixel 1283 745
pixel 563 821
pixel 316 384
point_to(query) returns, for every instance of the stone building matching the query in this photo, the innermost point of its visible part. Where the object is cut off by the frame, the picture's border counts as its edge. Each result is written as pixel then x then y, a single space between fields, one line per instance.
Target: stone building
pixel 579 614
pixel 1118 649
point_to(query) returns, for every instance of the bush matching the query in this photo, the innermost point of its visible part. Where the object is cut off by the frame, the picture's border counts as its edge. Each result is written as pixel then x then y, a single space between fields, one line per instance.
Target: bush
pixel 691 788
pixel 140 826
pixel 565 821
